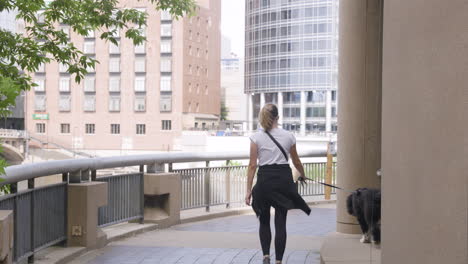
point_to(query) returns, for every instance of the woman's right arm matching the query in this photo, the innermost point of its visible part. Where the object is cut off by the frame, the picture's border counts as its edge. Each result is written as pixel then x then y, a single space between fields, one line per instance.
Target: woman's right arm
pixel 296 161
pixel 251 171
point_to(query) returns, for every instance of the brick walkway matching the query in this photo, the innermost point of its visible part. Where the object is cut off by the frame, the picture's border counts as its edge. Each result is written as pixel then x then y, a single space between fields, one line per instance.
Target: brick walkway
pixel 224 240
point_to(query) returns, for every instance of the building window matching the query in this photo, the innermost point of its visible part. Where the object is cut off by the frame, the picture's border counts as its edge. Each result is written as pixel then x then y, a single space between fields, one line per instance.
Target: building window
pixel 198 108
pixel 165 15
pixel 196 125
pixel 190 69
pixel 316 112
pixel 141 129
pixel 65 128
pixel 316 96
pixel 333 96
pixel 89 103
pixel 115 128
pixel 203 126
pixel 90 34
pixel 40 128
pixel 140 103
pixel 165 103
pixel 64 84
pixel 40 102
pixel 166 125
pixel 190 87
pixel 166 65
pixel 41 68
pixel 114 65
pixel 114 103
pixel 333 112
pixel 140 64
pixel 64 103
pixel 198 88
pixel 140 84
pixel 114 84
pixel 166 30
pixel 206 89
pixel 63 68
pixel 140 49
pixel 40 85
pixel 89 84
pixel 113 48
pixel 88 47
pixel 166 84
pixel 90 128
pixel 166 46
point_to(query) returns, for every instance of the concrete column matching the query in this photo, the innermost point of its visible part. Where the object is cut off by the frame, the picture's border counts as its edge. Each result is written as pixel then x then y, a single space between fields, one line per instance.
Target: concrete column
pixel 303 112
pixel 262 100
pixel 250 112
pixel 359 133
pixel 328 111
pixel 425 132
pixel 162 199
pixel 6 236
pixel 84 199
pixel 280 107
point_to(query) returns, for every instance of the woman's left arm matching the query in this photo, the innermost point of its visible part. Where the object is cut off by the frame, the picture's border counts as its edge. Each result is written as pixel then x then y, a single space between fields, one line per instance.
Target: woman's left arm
pixel 251 171
pixel 296 161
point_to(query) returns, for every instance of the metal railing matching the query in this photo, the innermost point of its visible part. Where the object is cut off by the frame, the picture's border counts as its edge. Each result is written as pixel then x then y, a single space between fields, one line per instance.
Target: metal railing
pixel 211 186
pixel 40 213
pixel 39 218
pixel 125 199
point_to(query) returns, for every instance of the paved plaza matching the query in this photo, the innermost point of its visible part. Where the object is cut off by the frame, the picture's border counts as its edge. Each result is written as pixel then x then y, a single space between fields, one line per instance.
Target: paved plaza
pixel 225 240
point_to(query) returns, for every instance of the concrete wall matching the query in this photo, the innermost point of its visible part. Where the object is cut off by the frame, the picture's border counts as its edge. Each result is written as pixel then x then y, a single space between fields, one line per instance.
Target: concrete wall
pixel 424 133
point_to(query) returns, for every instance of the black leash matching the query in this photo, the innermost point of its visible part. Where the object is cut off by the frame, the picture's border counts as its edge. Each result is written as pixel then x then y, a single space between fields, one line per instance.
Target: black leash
pixel 326 184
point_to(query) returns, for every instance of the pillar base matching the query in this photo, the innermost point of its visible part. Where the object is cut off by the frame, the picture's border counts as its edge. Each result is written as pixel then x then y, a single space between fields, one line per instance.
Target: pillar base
pixel 84 199
pixel 6 237
pixel 162 199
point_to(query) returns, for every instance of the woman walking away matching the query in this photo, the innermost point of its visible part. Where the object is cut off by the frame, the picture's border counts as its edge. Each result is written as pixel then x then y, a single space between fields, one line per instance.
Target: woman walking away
pixel 275 187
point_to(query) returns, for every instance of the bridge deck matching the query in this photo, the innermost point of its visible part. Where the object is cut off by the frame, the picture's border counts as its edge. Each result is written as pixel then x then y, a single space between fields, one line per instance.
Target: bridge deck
pixel 224 240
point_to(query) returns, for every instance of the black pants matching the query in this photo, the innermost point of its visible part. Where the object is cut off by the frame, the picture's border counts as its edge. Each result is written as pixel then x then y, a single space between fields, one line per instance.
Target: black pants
pixel 280 232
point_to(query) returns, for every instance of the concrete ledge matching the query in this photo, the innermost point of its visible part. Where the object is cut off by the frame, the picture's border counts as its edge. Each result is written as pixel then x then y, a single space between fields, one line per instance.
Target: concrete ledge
pixel 341 248
pixel 121 231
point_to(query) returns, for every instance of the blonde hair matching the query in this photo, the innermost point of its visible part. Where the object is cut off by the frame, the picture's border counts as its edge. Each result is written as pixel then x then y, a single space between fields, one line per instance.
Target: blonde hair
pixel 268 115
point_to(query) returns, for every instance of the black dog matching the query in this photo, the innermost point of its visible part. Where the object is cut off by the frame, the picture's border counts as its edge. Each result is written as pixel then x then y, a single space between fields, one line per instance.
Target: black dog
pixel 364 203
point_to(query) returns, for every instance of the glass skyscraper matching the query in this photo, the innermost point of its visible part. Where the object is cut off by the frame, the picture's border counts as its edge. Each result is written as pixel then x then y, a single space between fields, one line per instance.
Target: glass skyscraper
pixel 291 58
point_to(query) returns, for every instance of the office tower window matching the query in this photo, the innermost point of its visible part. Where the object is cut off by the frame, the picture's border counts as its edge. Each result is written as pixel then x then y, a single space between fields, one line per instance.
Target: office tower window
pixel 114 104
pixel 166 30
pixel 40 128
pixel 316 96
pixel 140 64
pixel 40 16
pixel 166 46
pixel 165 15
pixel 89 104
pixel 166 125
pixel 206 89
pixel 64 84
pixel 140 49
pixel 141 129
pixel 315 112
pixel 40 84
pixel 140 104
pixel 65 103
pixel 89 84
pixel 114 65
pixel 41 68
pixel 63 68
pixel 166 84
pixel 140 83
pixel 90 128
pixel 333 112
pixel 65 128
pixel 115 128
pixel 165 103
pixel 89 47
pixel 114 84
pixel 166 64
pixel 90 34
pixel 333 96
pixel 113 48
pixel 40 102
pixel 66 30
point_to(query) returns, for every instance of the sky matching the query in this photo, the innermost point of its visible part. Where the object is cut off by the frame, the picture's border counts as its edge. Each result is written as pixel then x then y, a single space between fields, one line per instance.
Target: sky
pixel 232 24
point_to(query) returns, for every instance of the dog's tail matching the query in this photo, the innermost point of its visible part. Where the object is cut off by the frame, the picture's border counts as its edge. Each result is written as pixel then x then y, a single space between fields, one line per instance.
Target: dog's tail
pixel 349 204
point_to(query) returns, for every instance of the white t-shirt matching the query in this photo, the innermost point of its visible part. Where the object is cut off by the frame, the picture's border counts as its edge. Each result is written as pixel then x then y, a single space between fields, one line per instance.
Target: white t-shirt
pixel 267 151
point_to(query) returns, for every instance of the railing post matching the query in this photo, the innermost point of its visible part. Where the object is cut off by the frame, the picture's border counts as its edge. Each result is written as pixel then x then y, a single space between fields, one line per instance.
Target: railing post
pixel 93 175
pixel 75 177
pixel 155 168
pixel 207 186
pixel 31 186
pixel 228 184
pixel 328 177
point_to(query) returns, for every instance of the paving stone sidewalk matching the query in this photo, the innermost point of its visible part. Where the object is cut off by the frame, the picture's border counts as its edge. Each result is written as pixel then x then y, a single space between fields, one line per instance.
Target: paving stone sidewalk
pixel 224 240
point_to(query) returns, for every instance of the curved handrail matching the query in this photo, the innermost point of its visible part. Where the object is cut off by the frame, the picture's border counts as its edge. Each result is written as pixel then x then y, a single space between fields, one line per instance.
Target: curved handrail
pixel 25 172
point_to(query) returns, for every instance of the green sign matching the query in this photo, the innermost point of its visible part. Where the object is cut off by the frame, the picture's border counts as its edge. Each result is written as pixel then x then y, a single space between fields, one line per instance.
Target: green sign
pixel 41 116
